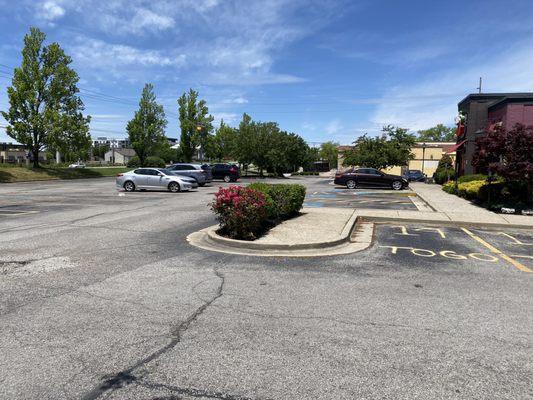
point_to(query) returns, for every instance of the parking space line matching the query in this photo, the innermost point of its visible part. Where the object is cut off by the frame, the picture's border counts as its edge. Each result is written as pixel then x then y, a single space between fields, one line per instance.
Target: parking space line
pixel 515 240
pixel 493 249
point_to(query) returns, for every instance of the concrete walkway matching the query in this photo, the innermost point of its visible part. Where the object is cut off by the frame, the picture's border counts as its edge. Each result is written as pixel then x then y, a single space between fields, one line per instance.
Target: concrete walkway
pixel 314 226
pixel 456 209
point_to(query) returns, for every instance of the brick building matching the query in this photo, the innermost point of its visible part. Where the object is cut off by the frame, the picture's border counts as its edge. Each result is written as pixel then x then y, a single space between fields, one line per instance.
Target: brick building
pixel 484 110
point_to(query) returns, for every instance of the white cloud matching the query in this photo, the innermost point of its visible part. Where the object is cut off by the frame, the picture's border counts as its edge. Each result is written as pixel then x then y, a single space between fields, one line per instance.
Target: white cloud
pixel 333 127
pixel 50 10
pixel 228 117
pixel 103 55
pixel 146 19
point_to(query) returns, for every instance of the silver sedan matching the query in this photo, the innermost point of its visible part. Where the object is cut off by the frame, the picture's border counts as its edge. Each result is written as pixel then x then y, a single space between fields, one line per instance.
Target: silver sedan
pixel 153 179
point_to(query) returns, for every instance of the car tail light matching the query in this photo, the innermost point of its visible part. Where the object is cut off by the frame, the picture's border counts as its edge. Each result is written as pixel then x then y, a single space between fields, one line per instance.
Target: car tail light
pixel 120 174
pixel 233 169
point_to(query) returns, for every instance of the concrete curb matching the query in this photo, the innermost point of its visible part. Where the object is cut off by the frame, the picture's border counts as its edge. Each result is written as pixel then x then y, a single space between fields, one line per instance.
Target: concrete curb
pixel 245 244
pixel 357 235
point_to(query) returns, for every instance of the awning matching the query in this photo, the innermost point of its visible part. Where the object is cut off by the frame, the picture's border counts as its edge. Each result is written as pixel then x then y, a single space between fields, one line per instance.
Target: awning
pixel 455 147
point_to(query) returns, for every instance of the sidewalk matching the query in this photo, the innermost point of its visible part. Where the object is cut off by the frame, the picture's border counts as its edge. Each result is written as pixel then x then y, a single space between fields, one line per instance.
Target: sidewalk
pixel 316 226
pixel 456 209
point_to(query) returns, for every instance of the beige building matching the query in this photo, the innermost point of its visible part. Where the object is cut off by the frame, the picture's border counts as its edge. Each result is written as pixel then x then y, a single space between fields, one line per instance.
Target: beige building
pixel 426 157
pixel 119 156
pixel 16 154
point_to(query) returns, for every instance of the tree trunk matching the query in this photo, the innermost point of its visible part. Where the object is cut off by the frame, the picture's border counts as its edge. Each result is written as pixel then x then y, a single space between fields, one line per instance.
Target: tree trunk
pixel 35 152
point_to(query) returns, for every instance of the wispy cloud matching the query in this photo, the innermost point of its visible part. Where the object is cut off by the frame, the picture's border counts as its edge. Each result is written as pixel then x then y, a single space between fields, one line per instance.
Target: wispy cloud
pixel 434 99
pixel 49 10
pixel 101 55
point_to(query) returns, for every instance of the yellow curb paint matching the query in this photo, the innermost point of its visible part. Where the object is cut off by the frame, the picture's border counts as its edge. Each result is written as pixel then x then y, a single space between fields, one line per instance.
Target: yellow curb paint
pixel 515 263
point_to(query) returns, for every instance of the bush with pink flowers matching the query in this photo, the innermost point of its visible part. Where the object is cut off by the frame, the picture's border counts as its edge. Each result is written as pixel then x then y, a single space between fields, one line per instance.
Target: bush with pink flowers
pixel 242 212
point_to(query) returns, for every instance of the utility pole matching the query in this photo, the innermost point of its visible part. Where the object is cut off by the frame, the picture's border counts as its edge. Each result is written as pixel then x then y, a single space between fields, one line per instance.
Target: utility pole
pixel 479 88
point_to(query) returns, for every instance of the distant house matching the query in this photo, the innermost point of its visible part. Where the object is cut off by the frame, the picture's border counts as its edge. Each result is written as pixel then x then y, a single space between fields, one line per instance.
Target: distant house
pixel 426 157
pixel 486 110
pixel 119 156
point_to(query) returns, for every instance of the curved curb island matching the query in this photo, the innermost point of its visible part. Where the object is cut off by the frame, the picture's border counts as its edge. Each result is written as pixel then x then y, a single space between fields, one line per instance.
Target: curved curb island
pixel 298 237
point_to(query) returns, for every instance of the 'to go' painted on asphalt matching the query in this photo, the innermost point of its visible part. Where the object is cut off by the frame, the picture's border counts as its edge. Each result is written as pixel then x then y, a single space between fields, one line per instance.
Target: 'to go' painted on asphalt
pixel 444 253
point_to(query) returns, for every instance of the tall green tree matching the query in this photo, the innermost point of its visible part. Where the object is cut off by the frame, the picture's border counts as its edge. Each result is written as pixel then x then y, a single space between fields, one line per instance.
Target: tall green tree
pixel 195 123
pixel 222 144
pixel 329 153
pixel 266 146
pixel 438 133
pixel 44 108
pixel 146 130
pixel 392 148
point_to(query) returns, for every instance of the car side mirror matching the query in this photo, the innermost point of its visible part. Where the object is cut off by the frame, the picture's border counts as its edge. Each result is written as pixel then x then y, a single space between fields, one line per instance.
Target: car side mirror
pixel 160 174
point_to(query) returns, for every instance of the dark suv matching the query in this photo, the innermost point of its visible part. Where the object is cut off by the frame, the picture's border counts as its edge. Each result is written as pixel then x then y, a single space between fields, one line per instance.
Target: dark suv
pixel 369 177
pixel 227 172
pixel 415 175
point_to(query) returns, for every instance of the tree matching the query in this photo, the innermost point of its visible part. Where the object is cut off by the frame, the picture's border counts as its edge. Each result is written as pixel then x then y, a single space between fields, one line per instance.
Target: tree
pixel 99 149
pixel 438 133
pixel 329 153
pixel 146 130
pixel 392 148
pixel 45 110
pixel 221 145
pixel 508 154
pixel 195 124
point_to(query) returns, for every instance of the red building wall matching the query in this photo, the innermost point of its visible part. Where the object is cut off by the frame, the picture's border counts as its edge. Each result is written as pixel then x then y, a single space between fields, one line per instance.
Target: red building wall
pixel 510 114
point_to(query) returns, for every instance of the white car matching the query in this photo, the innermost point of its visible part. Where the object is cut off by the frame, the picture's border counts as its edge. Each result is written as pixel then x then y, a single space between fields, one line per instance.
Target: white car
pixel 153 179
pixel 77 165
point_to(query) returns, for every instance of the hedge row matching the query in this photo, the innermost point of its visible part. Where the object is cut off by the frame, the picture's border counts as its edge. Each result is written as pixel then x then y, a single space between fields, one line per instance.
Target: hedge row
pixel 151 161
pixel 498 194
pixel 283 200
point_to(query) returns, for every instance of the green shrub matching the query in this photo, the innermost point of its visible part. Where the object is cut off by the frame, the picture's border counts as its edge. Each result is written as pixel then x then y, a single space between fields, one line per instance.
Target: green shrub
pixel 470 178
pixel 283 200
pixel 134 162
pixel 155 162
pixel 441 176
pixel 508 193
pixel 470 190
pixel 449 187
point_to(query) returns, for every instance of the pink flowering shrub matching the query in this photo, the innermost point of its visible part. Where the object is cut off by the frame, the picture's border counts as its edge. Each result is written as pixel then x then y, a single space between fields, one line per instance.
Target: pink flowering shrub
pixel 241 211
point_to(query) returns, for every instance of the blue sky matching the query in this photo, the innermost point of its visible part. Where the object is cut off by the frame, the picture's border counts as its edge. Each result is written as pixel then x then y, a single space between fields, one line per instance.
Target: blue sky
pixel 327 70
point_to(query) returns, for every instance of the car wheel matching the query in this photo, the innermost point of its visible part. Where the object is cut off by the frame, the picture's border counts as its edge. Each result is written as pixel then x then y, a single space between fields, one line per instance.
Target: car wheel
pixel 397 185
pixel 201 184
pixel 174 187
pixel 227 178
pixel 351 184
pixel 129 186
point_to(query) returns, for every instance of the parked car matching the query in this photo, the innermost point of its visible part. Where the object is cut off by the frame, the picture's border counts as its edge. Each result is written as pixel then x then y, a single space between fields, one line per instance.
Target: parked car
pixel 154 179
pixel 77 165
pixel 226 172
pixel 415 175
pixel 202 173
pixel 369 177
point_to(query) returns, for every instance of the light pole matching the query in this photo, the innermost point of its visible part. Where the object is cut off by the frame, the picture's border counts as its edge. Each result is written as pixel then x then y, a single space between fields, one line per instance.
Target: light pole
pixel 199 128
pixel 423 155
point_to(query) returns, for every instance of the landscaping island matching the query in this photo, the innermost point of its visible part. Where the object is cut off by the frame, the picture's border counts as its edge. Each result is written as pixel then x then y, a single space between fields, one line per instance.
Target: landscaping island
pixel 246 213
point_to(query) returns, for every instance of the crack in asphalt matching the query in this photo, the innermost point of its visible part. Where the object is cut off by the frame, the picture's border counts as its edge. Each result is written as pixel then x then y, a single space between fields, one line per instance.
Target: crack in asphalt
pixel 126 376
pixel 192 392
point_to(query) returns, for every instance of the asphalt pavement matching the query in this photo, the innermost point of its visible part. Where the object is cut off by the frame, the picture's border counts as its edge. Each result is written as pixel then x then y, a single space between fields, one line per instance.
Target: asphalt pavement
pixel 103 298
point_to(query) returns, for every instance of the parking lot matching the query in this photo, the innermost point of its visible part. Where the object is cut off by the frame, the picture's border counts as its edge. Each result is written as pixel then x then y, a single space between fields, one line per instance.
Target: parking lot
pixel 102 297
